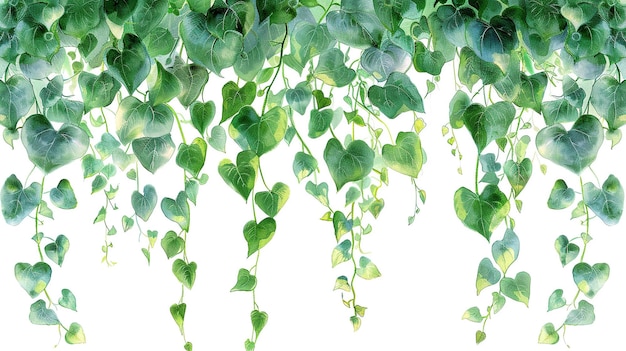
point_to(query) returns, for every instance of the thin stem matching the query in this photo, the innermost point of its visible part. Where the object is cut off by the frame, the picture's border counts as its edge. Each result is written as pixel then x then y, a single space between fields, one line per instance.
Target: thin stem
pixel 476 173
pixel 43 179
pixel 278 68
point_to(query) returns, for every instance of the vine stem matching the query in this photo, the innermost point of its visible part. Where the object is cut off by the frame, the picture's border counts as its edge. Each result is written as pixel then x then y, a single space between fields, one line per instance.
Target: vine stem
pixel 278 66
pixel 180 128
pixel 476 173
pixel 353 263
pixel 43 180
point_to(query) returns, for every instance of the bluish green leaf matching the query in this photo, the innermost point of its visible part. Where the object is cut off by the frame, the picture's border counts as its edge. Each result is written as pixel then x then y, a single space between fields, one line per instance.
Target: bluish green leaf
pixel 505 251
pixel 531 91
pixel 56 250
pixel 427 61
pixel 397 96
pixel 202 115
pixel 487 275
pixel 177 210
pixel 67 300
pixel 556 300
pixel 472 68
pixel 561 196
pixel 309 40
pixel 136 119
pixel 487 124
pixel 357 29
pixel 144 204
pixel 381 62
pixel 97 91
pixel 545 18
pixel 492 40
pixel 558 111
pixel 299 97
pixel 589 38
pixel 319 122
pixel 41 315
pixel 80 17
pixel 159 42
pixel 607 203
pixel 33 278
pixel 518 174
pixel 391 13
pixel 36 40
pixel 18 202
pixel 608 97
pixel 16 99
pixel 583 315
pixel 590 279
pixel 567 250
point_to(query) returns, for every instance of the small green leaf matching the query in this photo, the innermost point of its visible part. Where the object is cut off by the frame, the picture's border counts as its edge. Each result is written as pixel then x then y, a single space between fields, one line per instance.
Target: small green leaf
pixel 341 253
pixel 498 301
pixel 144 204
pixel 556 300
pixel 319 191
pixel 259 320
pixel 406 156
pixel 234 98
pixel 480 336
pixel 245 281
pixel 177 210
pixel 75 334
pixel 518 173
pixel 505 251
pixel 355 27
pixel 18 202
pixel 41 315
pixel 153 153
pixel 367 269
pixel 548 334
pixel 127 223
pixel 303 165
pixel 299 97
pixel 271 202
pixel 165 88
pixel 482 213
pixel 191 157
pixel 258 235
pixel 561 196
pixel 531 91
pixel 351 164
pixel 487 275
pixel 202 115
pixel 185 272
pixel 590 279
pixel 607 97
pixel 178 314
pixel 240 177
pixel 583 315
pixel 342 284
pixel 607 203
pixel 397 96
pixel 428 61
pixel 517 289
pixel 131 65
pixel 356 322
pixel 567 251
pixel 33 278
pixel 249 345
pixel 487 124
pixel 341 224
pixel 68 300
pixel 56 250
pixel 473 315
pixel 459 102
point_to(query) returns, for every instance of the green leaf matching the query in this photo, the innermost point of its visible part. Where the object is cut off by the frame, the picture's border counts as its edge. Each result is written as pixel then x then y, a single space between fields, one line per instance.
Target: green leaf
pixel 459 102
pixel 545 18
pixel 144 204
pixel 33 278
pixel 80 17
pixel 397 96
pixel 63 195
pixel 351 164
pixel 548 335
pixel 428 61
pixel 607 97
pixel 558 111
pixel 472 68
pixel 487 124
pixel 75 334
pixel 607 203
pixel 332 70
pixel 234 98
pixel 240 177
pixel 172 244
pixel 589 38
pixel 249 345
pixel 67 299
pixel 136 119
pixel 341 252
pixel 177 210
pixel 148 15
pixel 66 111
pixel 391 12
pixel 153 153
pixel 567 251
pixel 50 149
pixel 583 315
pixel 556 300
pixel 56 250
pixel 590 279
pixel 492 40
pixel 258 235
pixel 260 134
pixel 127 223
pixel 191 157
pixel 185 272
pixel 18 202
pixel 41 315
pixel 165 88
pixel 561 196
pixel 131 65
pixel 299 97
pixel 505 251
pixel 481 213
pixel 245 281
pixel 518 174
pixel 217 140
pixel 498 302
pixel 367 269
pixel 319 122
pixel 120 11
pixel 357 28
pixel 97 91
pixel 575 149
pixel 531 91
pixel 36 40
pixel 178 314
pixel 303 165
pixel 320 191
pixel 473 314
pixel 341 283
pixel 381 62
pixel 16 99
pixel 259 320
pixel 480 336
pixel 159 42
pixel 517 289
pixel 406 156
pixel 193 78
pixel 278 11
pixel 271 202
pixel 309 40
pixel 487 275
pixel 202 115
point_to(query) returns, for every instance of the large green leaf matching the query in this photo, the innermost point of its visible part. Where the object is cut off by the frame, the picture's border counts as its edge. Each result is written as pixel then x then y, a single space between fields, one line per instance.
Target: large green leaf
pixel 427 61
pixel 558 111
pixel 397 96
pixel 18 202
pixel 454 23
pixel 350 164
pixel 165 88
pixel 36 40
pixel 517 288
pixel 66 111
pixel 193 78
pixel 583 315
pixel 258 235
pixel 119 11
pixel 482 213
pixel 531 91
pixel 487 124
pixel 258 133
pixel 608 97
pixel 234 98
pixel 319 122
pixel 492 40
pixel 607 203
pixel 487 275
pixel 545 17
pixel 202 115
pixel 299 97
pixel 331 68
pixel 242 176
pixel 33 278
pixel 50 149
pixel 131 65
pixel 16 99
pixel 589 39
pixel 472 68
pixel 177 210
pixel 309 40
pixel 575 149
pixel 391 13
pixel 278 11
pixel 135 119
pixel 505 251
pixel 12 12
pixel 153 153
pixel 357 29
pixel 406 156
pixel 97 91
pixel 590 279
pixel 80 17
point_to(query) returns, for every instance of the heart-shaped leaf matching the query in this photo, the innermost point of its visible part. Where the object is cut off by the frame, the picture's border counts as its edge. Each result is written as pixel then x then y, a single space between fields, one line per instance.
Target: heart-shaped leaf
pixel 185 272
pixel 178 314
pixel 607 203
pixel 583 315
pixel 332 70
pixel 303 165
pixel 381 63
pixel 307 41
pixel 67 299
pixel 472 314
pixel 240 177
pixel 299 97
pixel 75 334
pixel 492 40
pixel 18 202
pixel 505 251
pixel 36 40
pixel 319 122
pixel 193 78
pixel 260 134
pixel 567 251
pixel 165 88
pixel 487 124
pixel 350 164
pixel 556 300
pixel 531 91
pixel 245 281
pixel 131 65
pixel 406 156
pixel 341 224
pixel 272 201
pixel 259 234
pixel 428 61
pixel 41 315
pixel 518 173
pixel 119 12
pixel 33 278
pixel 367 269
pixel 153 153
pixel 472 69
pixel 355 27
pixel 259 320
pixel 63 195
pixel 487 275
pixel 50 149
pixel 575 149
pixel 341 253
pixel 561 196
pixel 397 96
pixel 80 16
pixel 56 250
pixel 517 289
pixel 16 99
pixel 319 191
pixel 177 210
pixel 202 115
pixel 191 157
pixel 148 15
pixel 484 212
pixel 607 97
pixel 217 140
pixel 234 98
pixel 144 204
pixel 590 279
pixel 135 119
pixel 548 334
pixel 97 91
pixel 172 244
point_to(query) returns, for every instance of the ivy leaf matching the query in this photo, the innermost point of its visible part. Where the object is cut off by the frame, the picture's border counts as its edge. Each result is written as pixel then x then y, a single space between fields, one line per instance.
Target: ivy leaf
pixel 172 244
pixel 558 111
pixel 177 210
pixel 299 97
pixel 583 315
pixel 561 196
pixel 178 314
pixel 350 164
pixel 66 111
pixel 97 91
pixel 159 42
pixel 491 40
pixel 505 251
pixel 185 272
pixel 271 202
pixel 428 61
pixel 472 68
pixel 341 283
pixel 234 98
pixel 75 334
pixel 481 213
pixel 16 99
pixel 80 17
pixel 380 63
pixel 18 202
pixel 487 124
pixel 487 275
pixel 531 91
pixel 258 235
pixel 67 299
pixel 303 165
pixel 165 88
pixel 567 251
pixel 148 15
pixel 278 11
pixel 391 13
pixel 50 149
pixel 367 269
pixel 41 315
pixel 202 115
pixel 548 334
pixel 153 153
pixel 245 281
pixel 517 289
pixel 406 156
pixel 191 157
pixel 341 253
pixel 260 134
pixel 575 149
pixel 259 320
pixel 518 174
pixel 341 224
pixel 579 13
pixel 144 204
pixel 459 102
pixel 131 65
pixel 135 119
pixel 33 278
pixel 319 122
pixel 217 140
pixel 120 11
pixel 589 38
pixel 193 78
pixel 397 96
pixel 332 70
pixel 309 40
pixel 473 314
pixel 240 177
pixel 35 39
pixel 607 203
pixel 590 279
pixel 556 300
pixel 498 301
pixel 356 28
pixel 607 97
pixel 56 250
pixel 545 17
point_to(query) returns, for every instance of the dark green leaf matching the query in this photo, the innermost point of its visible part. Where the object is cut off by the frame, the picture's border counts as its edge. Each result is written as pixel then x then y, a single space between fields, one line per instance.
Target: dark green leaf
pixel 144 204
pixel 135 119
pixel 487 124
pixel 165 88
pixel 131 65
pixel 245 281
pixel 319 122
pixel 492 40
pixel 234 98
pixel 299 97
pixel 472 68
pixel 97 91
pixel 159 42
pixel 589 39
pixel 427 61
pixel 531 91
pixel 119 11
pixel 487 275
pixel 259 133
pixel 67 299
pixel 351 164
pixel 278 11
pixel 608 98
pixel 191 157
pixel 36 40
pixel 63 195
pixel 16 99
pixel 193 78
pixel 202 115
pixel 217 140
pixel 271 202
pixel 397 96
pixel 357 29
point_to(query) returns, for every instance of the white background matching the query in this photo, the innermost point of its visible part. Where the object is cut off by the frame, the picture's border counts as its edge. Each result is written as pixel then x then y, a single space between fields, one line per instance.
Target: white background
pixel 428 269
